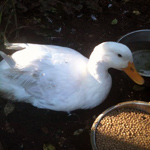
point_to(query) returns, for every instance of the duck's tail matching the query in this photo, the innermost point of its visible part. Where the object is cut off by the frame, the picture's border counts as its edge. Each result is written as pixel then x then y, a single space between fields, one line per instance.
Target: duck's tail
pixel 13 46
pixel 11 62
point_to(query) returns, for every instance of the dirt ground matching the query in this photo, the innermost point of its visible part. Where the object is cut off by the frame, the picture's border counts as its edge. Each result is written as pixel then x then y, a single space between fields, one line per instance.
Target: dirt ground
pixel 30 128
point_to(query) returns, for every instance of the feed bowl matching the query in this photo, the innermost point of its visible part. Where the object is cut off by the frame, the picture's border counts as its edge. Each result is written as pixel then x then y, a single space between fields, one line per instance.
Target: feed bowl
pixel 139 43
pixel 120 134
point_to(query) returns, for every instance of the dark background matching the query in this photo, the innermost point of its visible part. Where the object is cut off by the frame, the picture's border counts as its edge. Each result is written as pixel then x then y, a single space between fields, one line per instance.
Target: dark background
pixel 80 25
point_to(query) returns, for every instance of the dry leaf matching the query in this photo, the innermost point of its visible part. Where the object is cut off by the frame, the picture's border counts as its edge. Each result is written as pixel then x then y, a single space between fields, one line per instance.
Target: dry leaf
pixel 78 132
pixel 136 12
pixel 115 21
pixel 48 147
pixel 9 108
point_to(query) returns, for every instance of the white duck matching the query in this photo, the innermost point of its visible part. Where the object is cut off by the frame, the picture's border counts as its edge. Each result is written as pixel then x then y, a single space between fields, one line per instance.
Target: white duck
pixel 60 78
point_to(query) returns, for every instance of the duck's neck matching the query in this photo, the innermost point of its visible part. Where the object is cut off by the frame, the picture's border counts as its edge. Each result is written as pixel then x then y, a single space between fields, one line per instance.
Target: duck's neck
pixel 99 83
pixel 98 70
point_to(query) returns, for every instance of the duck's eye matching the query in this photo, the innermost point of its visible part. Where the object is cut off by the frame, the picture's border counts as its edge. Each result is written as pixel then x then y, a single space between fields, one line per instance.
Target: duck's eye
pixel 119 55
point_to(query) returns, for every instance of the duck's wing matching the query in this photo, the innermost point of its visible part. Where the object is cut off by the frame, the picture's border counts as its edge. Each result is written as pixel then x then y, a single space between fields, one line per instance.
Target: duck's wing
pixel 8 59
pixel 50 72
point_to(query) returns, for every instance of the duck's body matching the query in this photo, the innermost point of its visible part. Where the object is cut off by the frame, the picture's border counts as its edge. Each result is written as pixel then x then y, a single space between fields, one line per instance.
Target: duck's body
pixel 59 78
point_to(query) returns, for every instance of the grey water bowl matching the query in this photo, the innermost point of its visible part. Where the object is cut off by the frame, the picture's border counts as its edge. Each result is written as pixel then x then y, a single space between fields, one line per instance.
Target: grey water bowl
pixel 139 43
pixel 139 105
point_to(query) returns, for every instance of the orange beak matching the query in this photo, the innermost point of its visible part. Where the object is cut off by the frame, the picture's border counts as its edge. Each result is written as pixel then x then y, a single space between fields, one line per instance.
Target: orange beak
pixel 133 74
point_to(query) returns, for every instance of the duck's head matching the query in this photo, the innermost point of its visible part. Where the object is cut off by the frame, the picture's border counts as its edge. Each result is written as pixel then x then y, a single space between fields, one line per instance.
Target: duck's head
pixel 118 56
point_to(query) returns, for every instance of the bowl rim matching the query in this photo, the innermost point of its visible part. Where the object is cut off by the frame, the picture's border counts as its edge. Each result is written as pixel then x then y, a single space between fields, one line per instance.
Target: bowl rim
pixel 132 32
pixel 142 105
pixel 146 74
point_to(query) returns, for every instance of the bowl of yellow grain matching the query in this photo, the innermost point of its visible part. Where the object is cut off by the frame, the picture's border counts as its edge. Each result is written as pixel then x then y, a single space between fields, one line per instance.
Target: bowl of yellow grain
pixel 125 126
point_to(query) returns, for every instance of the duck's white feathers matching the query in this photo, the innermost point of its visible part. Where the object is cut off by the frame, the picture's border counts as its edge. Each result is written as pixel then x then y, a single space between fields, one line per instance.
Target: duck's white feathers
pixel 51 77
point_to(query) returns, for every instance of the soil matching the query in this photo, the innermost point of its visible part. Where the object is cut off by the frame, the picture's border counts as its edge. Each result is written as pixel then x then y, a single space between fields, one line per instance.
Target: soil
pixel 28 128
